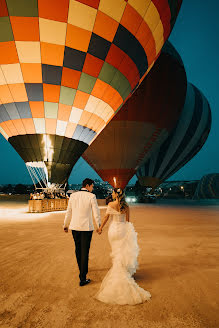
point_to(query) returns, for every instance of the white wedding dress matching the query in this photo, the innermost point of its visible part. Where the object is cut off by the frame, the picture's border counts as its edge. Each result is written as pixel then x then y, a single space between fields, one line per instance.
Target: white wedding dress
pixel 118 286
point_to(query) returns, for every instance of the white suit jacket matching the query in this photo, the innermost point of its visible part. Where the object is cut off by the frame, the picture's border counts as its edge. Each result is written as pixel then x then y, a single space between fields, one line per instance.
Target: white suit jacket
pixel 78 216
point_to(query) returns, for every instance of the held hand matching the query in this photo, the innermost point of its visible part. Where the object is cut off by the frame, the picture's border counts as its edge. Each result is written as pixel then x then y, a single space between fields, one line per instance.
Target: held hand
pixel 99 231
pixel 66 229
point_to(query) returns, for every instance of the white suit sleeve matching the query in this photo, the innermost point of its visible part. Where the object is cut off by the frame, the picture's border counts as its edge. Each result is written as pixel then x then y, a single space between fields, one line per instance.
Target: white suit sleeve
pixel 68 214
pixel 96 211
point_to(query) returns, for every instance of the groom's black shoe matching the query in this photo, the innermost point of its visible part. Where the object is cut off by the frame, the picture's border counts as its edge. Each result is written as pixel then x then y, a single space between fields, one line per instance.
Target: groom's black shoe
pixel 84 282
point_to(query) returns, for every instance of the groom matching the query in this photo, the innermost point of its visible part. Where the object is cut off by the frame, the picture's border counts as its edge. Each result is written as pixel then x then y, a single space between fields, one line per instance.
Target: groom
pixel 78 218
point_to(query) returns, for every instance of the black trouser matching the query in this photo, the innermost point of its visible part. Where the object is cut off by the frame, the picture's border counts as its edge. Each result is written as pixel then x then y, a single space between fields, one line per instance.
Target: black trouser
pixel 82 241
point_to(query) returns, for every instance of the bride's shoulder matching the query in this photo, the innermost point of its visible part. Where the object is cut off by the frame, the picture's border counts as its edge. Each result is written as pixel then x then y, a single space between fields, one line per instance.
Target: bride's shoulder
pixel 111 204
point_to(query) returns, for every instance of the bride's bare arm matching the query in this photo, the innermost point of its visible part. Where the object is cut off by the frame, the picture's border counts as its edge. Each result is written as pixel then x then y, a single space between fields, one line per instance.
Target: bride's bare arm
pixel 105 219
pixel 127 214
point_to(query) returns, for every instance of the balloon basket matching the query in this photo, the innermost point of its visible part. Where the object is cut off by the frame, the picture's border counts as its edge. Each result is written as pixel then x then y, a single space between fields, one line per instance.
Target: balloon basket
pixel 47 205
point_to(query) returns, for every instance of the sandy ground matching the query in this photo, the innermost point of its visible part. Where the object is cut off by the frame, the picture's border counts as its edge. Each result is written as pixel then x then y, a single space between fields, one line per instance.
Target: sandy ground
pixel 179 265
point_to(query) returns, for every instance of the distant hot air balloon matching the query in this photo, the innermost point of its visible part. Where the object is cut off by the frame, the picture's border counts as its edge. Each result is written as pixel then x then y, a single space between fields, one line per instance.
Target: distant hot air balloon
pixel 183 144
pixel 208 187
pixel 144 122
pixel 66 66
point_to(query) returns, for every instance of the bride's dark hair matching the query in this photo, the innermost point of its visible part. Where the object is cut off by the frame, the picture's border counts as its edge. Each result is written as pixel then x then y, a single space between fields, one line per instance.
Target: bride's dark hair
pixel 121 198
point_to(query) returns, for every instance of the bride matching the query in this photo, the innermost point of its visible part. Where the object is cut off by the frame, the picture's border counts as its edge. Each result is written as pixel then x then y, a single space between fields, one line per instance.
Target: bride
pixel 118 286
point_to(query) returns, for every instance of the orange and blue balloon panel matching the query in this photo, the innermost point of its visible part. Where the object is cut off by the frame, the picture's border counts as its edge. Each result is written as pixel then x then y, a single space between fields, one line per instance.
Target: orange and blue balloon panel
pixel 67 66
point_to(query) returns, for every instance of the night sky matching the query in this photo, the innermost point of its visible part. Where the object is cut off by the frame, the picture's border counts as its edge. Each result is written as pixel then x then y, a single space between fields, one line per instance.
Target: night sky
pixel 195 37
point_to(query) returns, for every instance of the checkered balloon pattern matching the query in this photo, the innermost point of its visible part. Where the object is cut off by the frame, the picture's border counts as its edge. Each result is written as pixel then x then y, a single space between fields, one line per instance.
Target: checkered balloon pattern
pixel 67 66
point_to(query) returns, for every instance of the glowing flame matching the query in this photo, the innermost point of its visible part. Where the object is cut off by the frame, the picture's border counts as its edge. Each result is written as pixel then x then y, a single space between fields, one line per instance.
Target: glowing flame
pixel 114 180
pixel 47 143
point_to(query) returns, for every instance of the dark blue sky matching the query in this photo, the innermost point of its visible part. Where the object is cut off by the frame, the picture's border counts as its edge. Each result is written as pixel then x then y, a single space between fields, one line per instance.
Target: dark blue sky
pixel 195 37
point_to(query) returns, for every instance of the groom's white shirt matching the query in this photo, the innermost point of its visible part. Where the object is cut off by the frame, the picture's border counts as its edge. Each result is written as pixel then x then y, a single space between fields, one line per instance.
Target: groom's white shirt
pixel 81 205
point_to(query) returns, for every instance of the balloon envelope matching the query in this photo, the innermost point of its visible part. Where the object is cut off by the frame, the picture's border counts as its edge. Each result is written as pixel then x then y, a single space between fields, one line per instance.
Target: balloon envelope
pixel 66 66
pixel 208 187
pixel 183 144
pixel 144 122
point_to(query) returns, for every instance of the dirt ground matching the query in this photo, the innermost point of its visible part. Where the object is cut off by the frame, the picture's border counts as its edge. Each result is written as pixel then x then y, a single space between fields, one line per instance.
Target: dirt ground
pixel 178 265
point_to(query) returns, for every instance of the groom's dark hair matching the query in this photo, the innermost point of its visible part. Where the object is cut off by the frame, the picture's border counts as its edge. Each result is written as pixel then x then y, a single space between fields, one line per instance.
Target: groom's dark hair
pixel 88 182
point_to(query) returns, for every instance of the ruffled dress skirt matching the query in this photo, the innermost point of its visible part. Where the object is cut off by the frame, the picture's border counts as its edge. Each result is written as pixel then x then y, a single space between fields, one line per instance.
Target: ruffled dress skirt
pixel 118 286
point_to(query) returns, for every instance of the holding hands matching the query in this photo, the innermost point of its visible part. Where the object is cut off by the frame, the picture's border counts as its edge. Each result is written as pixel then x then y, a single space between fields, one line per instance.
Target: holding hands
pixel 99 231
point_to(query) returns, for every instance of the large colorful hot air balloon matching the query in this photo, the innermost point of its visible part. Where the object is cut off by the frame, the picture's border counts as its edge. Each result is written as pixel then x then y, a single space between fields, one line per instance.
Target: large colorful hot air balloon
pixel 183 144
pixel 143 123
pixel 67 66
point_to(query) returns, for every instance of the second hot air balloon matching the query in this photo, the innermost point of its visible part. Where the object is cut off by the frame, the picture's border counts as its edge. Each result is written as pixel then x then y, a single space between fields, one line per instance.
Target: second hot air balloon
pixel 143 123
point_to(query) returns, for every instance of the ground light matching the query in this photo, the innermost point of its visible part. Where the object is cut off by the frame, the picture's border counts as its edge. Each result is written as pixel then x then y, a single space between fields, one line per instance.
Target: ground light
pixel 131 199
